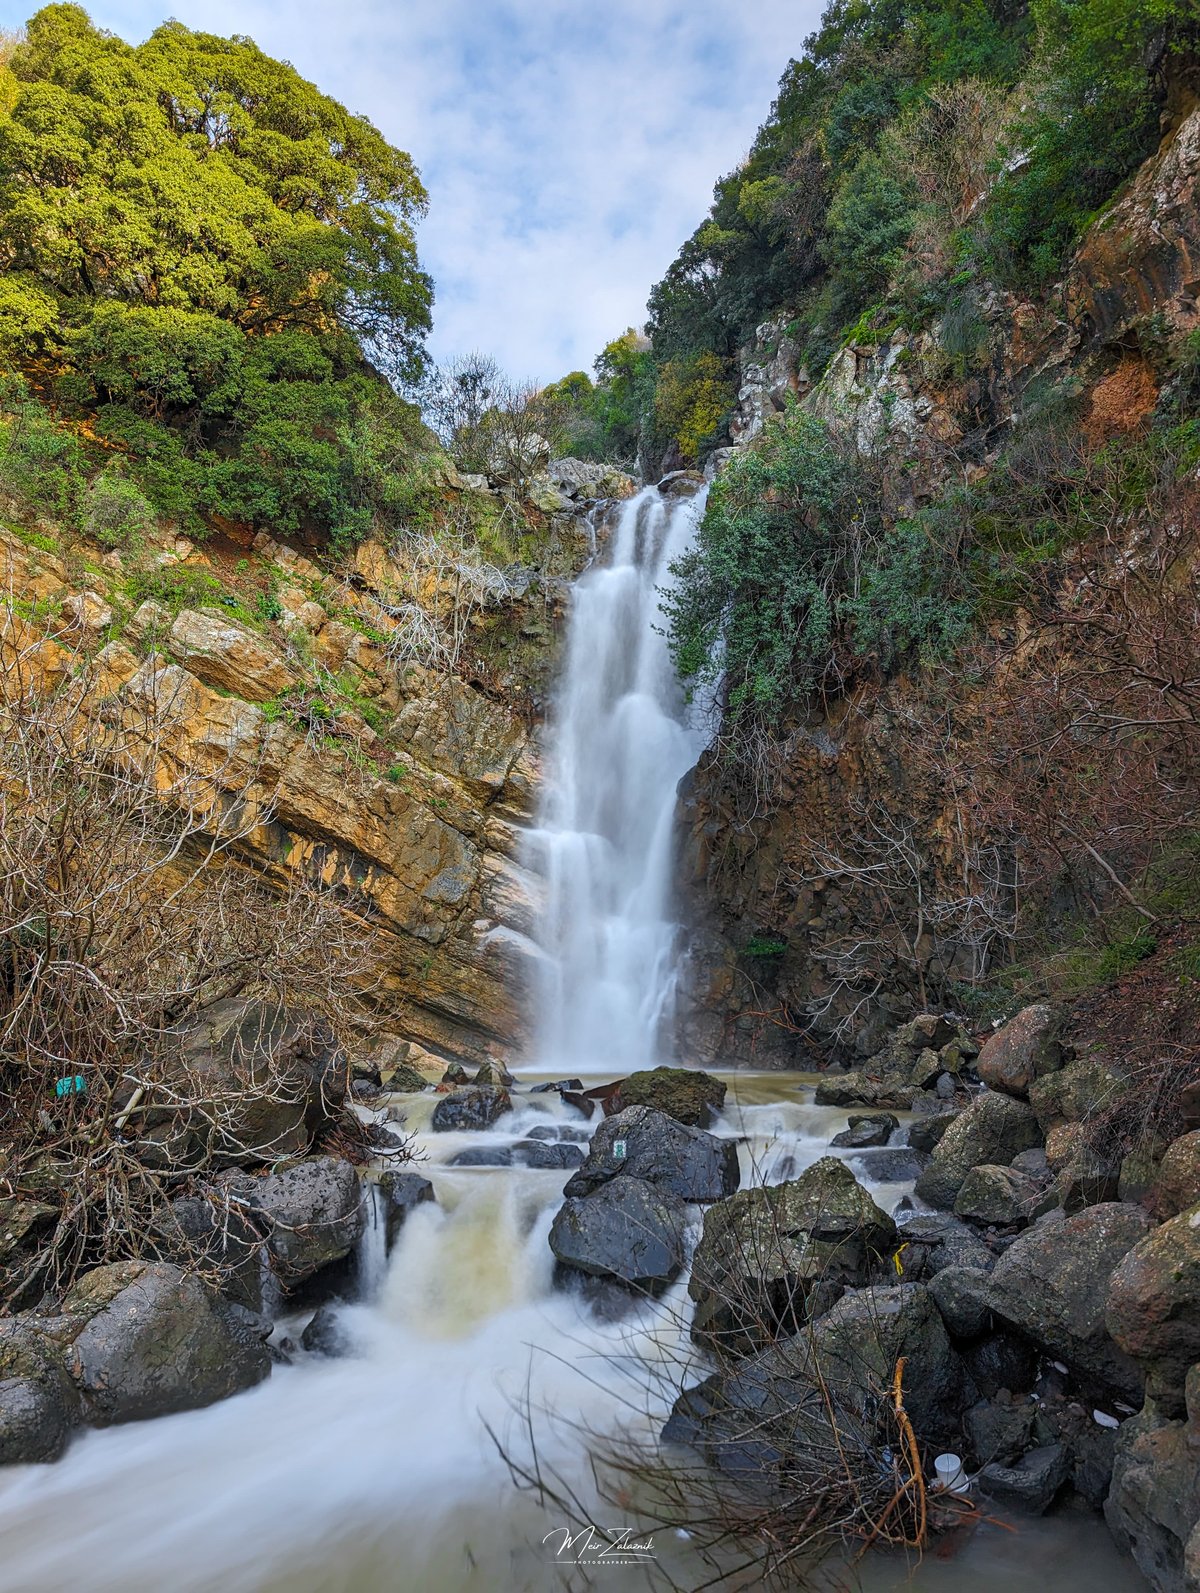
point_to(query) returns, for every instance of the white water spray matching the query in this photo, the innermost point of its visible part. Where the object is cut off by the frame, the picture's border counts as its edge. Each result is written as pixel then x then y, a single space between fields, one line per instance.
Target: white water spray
pixel 620 743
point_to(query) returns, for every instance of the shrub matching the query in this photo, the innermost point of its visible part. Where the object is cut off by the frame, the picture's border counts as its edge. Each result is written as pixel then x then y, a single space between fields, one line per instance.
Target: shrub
pixel 115 512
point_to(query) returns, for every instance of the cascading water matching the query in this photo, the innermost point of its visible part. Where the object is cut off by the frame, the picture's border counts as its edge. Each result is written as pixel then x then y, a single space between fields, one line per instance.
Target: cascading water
pixel 377 1472
pixel 620 742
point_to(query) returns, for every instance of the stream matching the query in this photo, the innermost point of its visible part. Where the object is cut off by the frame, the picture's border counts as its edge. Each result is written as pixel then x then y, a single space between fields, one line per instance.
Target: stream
pixel 386 1470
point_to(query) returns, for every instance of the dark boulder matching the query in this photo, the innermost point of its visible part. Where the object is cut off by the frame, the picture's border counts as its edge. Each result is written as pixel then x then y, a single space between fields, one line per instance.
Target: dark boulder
pixel 1033 1483
pixel 925 1133
pixel 1153 1505
pixel 932 1240
pixel 313 1213
pixel 999 1196
pixel 549 1154
pixel 1154 1307
pixel 961 1295
pixel 152 1340
pixel 1000 1361
pixel 266 1077
pixel 992 1130
pixel 627 1229
pixel 771 1256
pixel 38 1403
pixel 998 1431
pixel 483 1156
pixel 1051 1286
pixel 641 1142
pixel 327 1334
pixel 475 1106
pixel 863 1132
pixel 686 1094
pixel 402 1194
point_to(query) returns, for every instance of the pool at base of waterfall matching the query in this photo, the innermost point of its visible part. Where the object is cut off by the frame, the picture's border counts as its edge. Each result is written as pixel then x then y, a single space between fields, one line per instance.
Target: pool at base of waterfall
pixel 391 1469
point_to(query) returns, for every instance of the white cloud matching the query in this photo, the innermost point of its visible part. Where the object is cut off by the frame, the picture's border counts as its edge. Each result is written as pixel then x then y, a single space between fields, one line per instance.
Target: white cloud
pixel 569 146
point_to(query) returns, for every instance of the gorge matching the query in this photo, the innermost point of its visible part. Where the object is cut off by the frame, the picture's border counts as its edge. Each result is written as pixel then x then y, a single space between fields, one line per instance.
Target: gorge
pixel 595 975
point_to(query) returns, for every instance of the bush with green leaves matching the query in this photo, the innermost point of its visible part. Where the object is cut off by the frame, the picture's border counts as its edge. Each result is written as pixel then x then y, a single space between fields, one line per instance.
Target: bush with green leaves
pixel 114 512
pixel 216 262
pixel 757 598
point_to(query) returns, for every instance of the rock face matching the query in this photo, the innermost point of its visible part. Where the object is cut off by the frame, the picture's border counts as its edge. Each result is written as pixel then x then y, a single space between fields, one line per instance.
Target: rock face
pixel 1027 1047
pixel 770 1256
pixel 153 1341
pixel 266 1076
pixel 1052 1284
pixel 1141 257
pixel 626 1230
pixel 686 1162
pixel 313 1214
pixel 1154 1307
pixel 685 1094
pixel 992 1130
pixel 1032 1483
pixel 226 655
pixel 474 1106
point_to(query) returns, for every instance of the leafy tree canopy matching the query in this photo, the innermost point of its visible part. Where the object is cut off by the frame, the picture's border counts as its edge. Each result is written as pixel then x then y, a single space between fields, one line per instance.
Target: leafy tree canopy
pixel 208 261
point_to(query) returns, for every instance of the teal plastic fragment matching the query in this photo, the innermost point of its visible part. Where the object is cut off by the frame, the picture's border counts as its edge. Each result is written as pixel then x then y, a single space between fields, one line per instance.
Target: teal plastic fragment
pixel 74 1085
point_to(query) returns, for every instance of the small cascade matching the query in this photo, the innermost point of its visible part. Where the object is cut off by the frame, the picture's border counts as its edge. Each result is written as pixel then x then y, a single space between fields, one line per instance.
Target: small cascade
pixel 620 742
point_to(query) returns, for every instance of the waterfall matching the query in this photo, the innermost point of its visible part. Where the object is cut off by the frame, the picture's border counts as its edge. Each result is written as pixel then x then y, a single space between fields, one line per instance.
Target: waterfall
pixel 620 741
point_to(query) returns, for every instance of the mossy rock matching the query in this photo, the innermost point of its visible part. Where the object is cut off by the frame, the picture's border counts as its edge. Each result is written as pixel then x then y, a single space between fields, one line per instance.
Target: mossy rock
pixel 685 1094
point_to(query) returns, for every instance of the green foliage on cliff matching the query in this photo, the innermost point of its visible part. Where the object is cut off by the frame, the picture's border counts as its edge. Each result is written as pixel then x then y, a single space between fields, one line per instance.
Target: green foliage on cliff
pixel 207 266
pixel 911 141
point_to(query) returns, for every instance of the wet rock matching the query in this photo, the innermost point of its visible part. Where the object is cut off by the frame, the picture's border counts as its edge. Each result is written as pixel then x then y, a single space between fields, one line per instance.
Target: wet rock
pixel 400 1079
pixel 1153 1505
pixel 1154 1307
pixel 925 1133
pixel 495 1074
pixel 313 1213
pixel 626 1229
pixel 859 1089
pixel 931 1241
pixel 770 1256
pixel 547 1154
pixel 483 1156
pixel 558 1086
pixel 1025 1049
pixel 686 1094
pixel 1000 1361
pixel 641 1142
pixel 475 1106
pixel 456 1074
pixel 998 1195
pixel 402 1194
pixel 1032 1484
pixel 890 1165
pixel 38 1403
pixel 992 1129
pixel 961 1295
pixel 152 1341
pixel 756 1419
pixel 212 1230
pixel 326 1334
pixel 999 1431
pixel 875 1129
pixel 1052 1285
pixel 1177 1182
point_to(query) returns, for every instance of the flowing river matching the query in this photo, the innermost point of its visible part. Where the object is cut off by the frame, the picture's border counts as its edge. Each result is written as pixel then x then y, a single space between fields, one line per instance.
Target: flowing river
pixel 388 1470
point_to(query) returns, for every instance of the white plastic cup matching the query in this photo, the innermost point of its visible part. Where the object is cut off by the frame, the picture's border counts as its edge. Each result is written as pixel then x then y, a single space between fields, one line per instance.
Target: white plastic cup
pixel 949 1471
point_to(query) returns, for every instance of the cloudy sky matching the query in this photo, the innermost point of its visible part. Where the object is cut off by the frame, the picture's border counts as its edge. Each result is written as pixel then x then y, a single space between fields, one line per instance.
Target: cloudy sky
pixel 569 146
